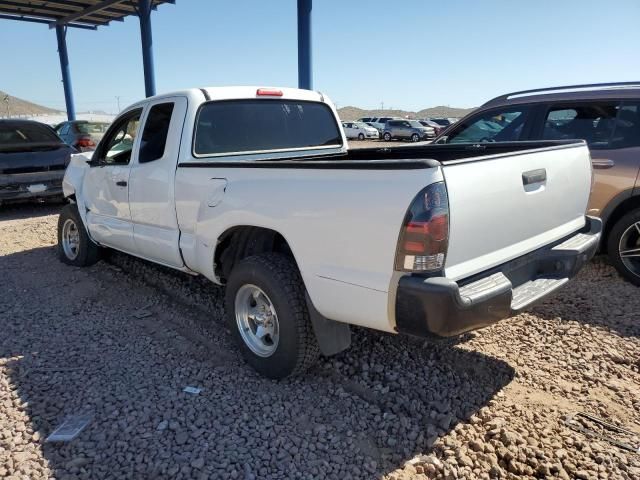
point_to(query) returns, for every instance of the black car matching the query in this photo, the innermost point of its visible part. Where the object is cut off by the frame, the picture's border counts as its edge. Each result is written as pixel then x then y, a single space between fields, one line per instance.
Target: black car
pixel 81 134
pixel 32 161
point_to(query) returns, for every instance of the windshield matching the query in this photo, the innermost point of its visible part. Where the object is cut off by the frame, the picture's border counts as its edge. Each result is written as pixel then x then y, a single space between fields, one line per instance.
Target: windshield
pixel 441 121
pixel 91 127
pixel 415 124
pixel 361 124
pixel 27 136
pixel 25 133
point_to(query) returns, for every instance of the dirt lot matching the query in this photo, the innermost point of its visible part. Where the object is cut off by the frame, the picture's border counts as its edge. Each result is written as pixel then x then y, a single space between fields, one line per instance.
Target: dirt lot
pixel 120 340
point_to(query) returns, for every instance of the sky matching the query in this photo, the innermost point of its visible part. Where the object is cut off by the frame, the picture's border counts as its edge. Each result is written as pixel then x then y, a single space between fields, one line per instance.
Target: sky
pixel 407 54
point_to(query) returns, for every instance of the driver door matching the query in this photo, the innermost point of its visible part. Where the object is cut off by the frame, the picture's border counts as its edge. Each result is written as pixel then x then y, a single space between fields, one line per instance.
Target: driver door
pixel 106 184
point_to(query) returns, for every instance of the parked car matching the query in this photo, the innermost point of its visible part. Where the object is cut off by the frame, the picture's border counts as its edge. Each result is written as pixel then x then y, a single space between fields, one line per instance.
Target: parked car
pixel 32 161
pixel 407 130
pixel 404 240
pixel 437 128
pixel 381 122
pixel 443 122
pixel 359 130
pixel 81 134
pixel 607 116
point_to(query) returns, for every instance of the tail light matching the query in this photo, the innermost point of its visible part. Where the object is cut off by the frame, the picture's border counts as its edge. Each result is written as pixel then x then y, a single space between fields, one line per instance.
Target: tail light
pixel 424 237
pixel 85 142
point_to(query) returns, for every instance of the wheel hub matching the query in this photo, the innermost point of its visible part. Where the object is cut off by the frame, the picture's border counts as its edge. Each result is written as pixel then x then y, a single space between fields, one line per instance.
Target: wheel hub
pixel 629 248
pixel 257 320
pixel 70 239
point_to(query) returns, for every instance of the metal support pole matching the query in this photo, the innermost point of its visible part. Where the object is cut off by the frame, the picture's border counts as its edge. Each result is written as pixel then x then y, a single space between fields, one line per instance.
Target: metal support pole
pixel 305 75
pixel 144 14
pixel 61 34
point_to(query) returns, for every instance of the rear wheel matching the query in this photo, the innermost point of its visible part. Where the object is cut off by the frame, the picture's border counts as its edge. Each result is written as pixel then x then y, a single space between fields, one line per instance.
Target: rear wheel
pixel 624 246
pixel 361 136
pixel 387 136
pixel 267 312
pixel 74 245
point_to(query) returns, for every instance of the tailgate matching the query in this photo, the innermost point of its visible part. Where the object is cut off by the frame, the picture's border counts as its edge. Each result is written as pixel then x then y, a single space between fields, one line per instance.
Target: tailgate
pixel 504 206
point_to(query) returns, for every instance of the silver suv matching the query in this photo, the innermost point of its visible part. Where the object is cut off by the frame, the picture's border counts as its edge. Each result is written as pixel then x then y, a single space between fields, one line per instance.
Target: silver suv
pixel 407 130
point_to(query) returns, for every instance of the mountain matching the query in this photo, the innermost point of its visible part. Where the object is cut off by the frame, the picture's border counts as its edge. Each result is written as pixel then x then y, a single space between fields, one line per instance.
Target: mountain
pixel 19 107
pixel 353 113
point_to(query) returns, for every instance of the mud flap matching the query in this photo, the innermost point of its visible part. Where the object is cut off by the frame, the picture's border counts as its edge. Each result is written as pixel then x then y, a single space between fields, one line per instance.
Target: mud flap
pixel 333 337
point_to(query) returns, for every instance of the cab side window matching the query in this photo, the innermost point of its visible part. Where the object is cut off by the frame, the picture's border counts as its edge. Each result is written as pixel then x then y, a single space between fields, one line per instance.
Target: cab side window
pixel 494 126
pixel 117 145
pixel 154 135
pixel 593 122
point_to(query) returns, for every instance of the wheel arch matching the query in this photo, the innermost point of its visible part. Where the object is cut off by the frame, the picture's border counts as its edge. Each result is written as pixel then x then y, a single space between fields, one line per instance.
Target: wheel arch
pixel 621 204
pixel 241 241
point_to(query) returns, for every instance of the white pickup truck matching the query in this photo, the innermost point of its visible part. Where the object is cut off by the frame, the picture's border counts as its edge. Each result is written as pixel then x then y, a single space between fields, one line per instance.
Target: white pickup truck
pixel 255 188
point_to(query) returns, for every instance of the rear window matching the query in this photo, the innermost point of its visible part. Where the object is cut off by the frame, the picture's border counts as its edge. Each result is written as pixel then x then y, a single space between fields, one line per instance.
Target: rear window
pixel 627 129
pixel 25 133
pixel 593 122
pixel 90 127
pixel 247 126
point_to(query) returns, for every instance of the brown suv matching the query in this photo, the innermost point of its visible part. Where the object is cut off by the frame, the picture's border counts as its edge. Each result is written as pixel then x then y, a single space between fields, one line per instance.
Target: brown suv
pixel 607 116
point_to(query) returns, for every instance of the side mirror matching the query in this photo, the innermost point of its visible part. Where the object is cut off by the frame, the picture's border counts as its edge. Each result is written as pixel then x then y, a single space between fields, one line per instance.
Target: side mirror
pixel 95 162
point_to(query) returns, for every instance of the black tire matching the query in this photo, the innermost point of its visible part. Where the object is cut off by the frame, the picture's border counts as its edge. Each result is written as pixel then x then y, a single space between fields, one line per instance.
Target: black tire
pixel 629 228
pixel 387 137
pixel 361 136
pixel 87 252
pixel 278 277
pixel 415 138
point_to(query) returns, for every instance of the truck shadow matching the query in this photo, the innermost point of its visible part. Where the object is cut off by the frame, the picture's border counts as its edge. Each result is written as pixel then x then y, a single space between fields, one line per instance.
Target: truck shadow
pixel 598 296
pixel 19 211
pixel 100 341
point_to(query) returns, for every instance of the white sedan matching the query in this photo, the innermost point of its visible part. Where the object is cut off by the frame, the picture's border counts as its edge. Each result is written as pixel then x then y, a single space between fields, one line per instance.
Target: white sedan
pixel 359 130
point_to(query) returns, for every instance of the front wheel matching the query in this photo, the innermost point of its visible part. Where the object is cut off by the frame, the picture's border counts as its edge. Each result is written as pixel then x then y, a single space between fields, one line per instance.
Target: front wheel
pixel 74 245
pixel 387 137
pixel 623 246
pixel 267 312
pixel 415 138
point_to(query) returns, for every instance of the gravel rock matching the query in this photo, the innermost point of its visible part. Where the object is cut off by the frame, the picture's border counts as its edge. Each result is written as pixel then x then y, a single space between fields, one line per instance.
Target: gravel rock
pixel 493 404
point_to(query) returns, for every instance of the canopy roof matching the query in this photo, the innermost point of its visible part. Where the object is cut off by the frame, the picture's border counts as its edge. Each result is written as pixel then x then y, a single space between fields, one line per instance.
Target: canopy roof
pixel 73 13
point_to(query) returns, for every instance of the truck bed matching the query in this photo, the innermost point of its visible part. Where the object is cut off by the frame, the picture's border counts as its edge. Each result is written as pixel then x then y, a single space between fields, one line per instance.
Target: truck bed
pixel 406 157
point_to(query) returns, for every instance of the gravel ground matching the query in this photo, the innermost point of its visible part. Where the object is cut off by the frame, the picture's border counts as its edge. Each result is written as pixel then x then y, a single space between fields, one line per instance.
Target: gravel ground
pixel 120 340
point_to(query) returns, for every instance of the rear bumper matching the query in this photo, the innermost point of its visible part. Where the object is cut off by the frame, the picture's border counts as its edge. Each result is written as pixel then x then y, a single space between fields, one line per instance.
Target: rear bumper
pixel 24 186
pixel 441 307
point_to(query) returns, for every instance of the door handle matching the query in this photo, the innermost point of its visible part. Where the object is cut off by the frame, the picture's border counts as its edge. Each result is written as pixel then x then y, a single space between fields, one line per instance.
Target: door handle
pixel 121 183
pixel 534 176
pixel 602 163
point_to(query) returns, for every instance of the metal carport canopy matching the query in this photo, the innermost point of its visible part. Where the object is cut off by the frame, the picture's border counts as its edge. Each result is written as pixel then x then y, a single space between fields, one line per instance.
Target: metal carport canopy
pixel 91 14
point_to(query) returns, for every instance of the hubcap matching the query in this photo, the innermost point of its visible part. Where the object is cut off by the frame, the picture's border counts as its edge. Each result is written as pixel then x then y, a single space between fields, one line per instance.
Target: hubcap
pixel 70 239
pixel 629 248
pixel 257 320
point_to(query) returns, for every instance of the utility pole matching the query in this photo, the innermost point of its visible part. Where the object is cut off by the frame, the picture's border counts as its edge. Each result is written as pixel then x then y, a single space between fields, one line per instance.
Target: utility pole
pixel 381 105
pixel 118 100
pixel 6 100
